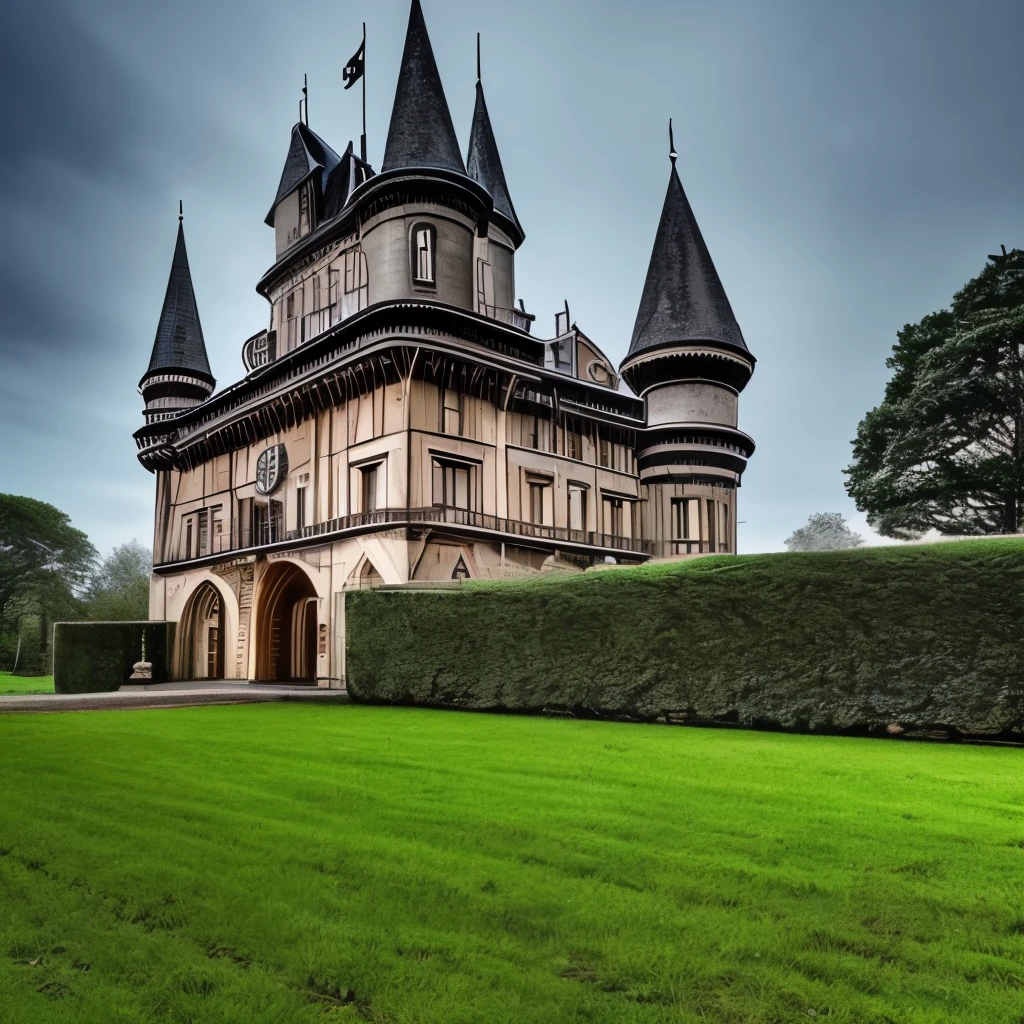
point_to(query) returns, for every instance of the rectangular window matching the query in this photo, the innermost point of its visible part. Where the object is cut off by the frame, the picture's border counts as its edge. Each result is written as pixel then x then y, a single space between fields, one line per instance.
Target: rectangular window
pixel 577 508
pixel 573 438
pixel 605 458
pixel 204 531
pixel 316 292
pixel 454 485
pixel 451 418
pixel 300 508
pixel 537 503
pixel 712 539
pixel 276 521
pixel 260 523
pixel 368 488
pixel 188 539
pixel 686 520
pixel 423 254
pixel 613 516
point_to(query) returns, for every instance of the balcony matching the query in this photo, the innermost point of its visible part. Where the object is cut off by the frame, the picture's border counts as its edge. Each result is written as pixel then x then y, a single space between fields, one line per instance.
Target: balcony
pixel 271 534
pixel 517 318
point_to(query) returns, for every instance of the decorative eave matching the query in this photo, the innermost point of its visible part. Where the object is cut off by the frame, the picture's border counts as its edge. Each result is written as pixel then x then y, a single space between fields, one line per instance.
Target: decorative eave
pixel 664 364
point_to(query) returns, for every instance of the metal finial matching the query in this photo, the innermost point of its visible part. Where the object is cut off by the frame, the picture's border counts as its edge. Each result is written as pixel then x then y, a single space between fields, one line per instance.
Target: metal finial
pixel 181 212
pixel 305 97
pixel 672 154
pixel 478 56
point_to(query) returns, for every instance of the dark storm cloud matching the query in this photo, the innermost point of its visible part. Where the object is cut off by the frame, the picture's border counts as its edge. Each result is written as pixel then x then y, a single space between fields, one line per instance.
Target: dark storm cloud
pixel 850 165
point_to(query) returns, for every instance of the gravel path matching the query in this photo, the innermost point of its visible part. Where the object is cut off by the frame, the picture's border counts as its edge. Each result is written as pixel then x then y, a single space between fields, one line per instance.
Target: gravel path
pixel 173 696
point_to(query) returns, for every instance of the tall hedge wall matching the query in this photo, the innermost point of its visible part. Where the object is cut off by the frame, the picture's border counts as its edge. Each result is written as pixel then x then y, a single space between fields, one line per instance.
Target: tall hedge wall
pixel 928 636
pixel 96 657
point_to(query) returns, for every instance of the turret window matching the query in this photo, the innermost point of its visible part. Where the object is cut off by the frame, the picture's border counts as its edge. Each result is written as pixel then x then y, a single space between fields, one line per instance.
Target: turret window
pixel 424 247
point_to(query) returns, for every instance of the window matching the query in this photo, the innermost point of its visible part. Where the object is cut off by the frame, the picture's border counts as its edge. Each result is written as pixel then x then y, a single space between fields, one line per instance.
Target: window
pixel 451 412
pixel 613 516
pixel 686 519
pixel 276 521
pixel 605 453
pixel 316 292
pixel 204 530
pixel 355 283
pixel 260 527
pixel 712 539
pixel 300 508
pixel 291 322
pixel 455 484
pixel 537 503
pixel 188 539
pixel 573 438
pixel 424 244
pixel 368 488
pixel 577 507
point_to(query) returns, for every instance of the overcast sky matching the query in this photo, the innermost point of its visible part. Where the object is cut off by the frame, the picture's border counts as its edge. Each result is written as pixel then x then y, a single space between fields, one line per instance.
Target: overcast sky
pixel 850 164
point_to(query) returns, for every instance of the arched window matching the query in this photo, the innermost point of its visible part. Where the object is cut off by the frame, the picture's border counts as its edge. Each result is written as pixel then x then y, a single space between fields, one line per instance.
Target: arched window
pixel 423 253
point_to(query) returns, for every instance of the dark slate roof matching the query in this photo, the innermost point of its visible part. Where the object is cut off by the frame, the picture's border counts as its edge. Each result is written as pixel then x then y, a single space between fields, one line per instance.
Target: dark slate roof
pixel 683 299
pixel 350 173
pixel 421 133
pixel 308 155
pixel 483 163
pixel 179 341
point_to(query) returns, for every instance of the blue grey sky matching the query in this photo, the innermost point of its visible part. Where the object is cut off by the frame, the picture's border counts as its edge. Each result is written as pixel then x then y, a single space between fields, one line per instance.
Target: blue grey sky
pixel 850 165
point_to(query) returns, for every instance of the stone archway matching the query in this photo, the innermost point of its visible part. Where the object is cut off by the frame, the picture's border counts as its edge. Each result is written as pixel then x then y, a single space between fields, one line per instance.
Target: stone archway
pixel 286 624
pixel 201 633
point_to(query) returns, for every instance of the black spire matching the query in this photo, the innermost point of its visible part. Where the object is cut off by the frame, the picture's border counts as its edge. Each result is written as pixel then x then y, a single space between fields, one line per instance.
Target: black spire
pixel 179 341
pixel 683 298
pixel 308 155
pixel 421 133
pixel 484 165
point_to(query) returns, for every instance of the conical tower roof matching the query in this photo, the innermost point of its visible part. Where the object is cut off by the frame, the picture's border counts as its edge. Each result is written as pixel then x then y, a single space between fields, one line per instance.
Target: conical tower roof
pixel 484 165
pixel 421 133
pixel 308 155
pixel 683 299
pixel 179 343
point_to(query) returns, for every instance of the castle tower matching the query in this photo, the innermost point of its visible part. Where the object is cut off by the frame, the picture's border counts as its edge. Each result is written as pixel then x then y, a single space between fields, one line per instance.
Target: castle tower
pixel 179 371
pixel 688 362
pixel 422 214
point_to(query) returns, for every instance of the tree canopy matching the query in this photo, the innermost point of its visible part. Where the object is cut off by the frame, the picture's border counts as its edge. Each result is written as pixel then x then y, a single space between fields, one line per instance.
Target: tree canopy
pixel 824 531
pixel 945 449
pixel 49 571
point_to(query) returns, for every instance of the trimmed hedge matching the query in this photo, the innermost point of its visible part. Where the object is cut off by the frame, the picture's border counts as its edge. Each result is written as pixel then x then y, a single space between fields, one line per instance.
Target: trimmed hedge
pixel 97 657
pixel 927 636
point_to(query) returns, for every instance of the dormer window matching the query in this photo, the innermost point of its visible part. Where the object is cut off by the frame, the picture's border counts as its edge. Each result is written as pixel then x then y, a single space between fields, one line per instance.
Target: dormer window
pixel 424 247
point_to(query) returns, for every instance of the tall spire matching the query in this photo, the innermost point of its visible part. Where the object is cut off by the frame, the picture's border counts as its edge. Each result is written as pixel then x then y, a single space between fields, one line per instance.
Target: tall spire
pixel 179 343
pixel 483 163
pixel 421 133
pixel 683 299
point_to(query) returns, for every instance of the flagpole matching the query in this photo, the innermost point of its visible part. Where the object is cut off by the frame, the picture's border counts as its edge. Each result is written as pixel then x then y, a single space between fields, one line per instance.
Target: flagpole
pixel 362 141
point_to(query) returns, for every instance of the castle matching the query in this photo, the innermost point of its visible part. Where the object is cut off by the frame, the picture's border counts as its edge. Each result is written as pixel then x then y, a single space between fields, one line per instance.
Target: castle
pixel 399 421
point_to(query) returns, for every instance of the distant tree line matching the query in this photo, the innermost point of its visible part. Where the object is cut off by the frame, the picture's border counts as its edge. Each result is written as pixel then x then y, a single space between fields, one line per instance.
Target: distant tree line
pixel 50 572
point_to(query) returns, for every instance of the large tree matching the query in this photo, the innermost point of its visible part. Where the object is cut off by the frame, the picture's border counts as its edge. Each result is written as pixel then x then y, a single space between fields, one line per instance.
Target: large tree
pixel 823 531
pixel 945 449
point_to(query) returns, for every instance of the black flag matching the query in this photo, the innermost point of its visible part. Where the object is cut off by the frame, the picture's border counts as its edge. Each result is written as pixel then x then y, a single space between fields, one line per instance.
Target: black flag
pixel 355 67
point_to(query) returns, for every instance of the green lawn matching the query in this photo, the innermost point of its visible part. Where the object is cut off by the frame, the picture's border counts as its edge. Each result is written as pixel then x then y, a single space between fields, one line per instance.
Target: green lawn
pixel 280 863
pixel 24 684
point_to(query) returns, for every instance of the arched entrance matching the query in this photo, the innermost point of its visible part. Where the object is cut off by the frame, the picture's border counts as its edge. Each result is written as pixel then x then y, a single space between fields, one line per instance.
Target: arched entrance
pixel 286 626
pixel 202 635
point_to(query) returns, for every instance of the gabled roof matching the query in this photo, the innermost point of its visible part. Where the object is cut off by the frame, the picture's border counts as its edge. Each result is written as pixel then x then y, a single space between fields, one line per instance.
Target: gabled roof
pixel 179 343
pixel 308 155
pixel 421 133
pixel 683 299
pixel 484 165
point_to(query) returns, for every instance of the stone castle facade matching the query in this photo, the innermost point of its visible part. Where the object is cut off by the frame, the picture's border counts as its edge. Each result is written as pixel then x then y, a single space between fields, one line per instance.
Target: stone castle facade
pixel 400 421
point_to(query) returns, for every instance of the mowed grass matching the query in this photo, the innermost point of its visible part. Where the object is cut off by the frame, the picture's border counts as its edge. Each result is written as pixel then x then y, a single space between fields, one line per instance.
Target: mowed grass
pixel 24 684
pixel 286 863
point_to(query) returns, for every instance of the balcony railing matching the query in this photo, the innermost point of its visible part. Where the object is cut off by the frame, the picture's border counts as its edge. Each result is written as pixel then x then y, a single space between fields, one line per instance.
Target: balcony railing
pixel 270 532
pixel 513 317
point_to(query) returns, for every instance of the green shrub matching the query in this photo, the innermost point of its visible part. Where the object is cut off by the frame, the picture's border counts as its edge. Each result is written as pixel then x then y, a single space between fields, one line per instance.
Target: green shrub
pixel 928 636
pixel 97 657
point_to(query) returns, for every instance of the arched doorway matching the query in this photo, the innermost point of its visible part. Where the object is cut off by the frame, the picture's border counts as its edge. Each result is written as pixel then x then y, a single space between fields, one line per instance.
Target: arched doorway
pixel 202 635
pixel 286 626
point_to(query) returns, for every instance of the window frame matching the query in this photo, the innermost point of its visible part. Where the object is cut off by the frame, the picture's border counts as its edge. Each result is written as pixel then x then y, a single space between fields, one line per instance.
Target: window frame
pixel 420 228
